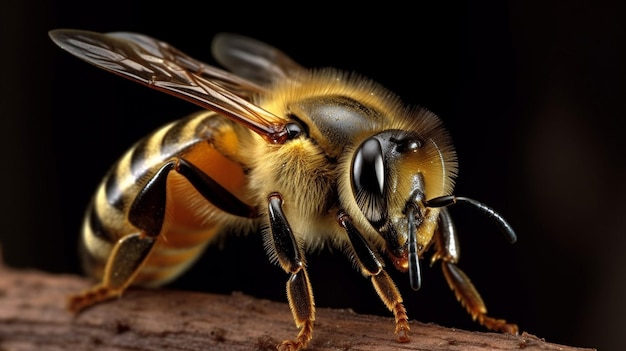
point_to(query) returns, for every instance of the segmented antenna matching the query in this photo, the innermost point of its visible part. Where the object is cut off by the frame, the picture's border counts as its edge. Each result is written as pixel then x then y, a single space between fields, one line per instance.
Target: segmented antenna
pixel 448 200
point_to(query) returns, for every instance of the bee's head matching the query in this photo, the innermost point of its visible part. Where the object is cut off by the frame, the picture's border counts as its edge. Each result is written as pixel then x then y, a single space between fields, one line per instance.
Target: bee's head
pixel 393 173
pixel 400 181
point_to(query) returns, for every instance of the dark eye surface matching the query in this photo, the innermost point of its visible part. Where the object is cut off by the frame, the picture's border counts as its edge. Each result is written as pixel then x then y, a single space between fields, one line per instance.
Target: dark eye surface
pixel 368 169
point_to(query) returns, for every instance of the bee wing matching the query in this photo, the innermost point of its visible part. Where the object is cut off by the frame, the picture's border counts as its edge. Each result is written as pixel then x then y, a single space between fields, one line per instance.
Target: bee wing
pixel 252 59
pixel 160 66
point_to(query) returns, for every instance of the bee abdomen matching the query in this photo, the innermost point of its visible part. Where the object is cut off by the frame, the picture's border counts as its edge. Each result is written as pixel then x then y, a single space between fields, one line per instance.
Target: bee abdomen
pixel 191 221
pixel 172 256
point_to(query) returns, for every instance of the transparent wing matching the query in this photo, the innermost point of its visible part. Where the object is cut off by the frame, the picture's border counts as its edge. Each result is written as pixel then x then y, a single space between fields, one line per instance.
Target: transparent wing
pixel 253 59
pixel 160 66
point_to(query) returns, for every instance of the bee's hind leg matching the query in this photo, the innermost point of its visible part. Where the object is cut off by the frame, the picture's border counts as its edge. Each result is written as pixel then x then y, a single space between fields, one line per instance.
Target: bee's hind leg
pixel 448 252
pixel 147 213
pixel 127 256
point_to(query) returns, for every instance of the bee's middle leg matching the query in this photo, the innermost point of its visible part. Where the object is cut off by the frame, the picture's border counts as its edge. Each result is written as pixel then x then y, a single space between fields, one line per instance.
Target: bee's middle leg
pixel 291 259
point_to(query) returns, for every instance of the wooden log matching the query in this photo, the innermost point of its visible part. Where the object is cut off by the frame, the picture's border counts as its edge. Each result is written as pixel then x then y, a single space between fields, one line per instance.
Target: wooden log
pixel 33 317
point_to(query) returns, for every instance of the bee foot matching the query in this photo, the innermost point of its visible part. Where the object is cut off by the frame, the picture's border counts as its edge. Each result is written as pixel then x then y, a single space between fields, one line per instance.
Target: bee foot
pixel 289 345
pixel 79 302
pixel 403 332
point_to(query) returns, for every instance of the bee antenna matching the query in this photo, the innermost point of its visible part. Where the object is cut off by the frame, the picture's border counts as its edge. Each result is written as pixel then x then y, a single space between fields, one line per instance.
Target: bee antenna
pixel 505 227
pixel 415 277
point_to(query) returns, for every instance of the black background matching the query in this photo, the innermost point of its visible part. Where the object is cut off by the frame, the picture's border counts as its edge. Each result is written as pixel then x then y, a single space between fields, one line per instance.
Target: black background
pixel 532 93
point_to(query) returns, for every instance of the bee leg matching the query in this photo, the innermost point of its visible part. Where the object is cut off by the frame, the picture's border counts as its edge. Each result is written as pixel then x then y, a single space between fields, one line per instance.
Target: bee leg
pixel 448 252
pixel 127 256
pixel 370 265
pixel 147 212
pixel 285 249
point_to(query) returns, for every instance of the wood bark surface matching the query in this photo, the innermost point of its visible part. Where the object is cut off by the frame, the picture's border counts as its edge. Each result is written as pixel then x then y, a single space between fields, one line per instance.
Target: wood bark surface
pixel 33 317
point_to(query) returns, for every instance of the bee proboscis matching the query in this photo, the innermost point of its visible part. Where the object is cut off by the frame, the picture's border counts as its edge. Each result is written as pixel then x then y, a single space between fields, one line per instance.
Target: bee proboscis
pixel 308 158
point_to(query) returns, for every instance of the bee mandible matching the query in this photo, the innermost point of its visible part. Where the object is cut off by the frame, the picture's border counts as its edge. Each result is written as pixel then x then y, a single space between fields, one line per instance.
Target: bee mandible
pixel 308 158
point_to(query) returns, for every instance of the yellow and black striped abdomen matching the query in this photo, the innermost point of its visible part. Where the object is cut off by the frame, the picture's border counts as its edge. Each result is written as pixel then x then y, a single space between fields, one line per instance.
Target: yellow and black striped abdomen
pixel 206 140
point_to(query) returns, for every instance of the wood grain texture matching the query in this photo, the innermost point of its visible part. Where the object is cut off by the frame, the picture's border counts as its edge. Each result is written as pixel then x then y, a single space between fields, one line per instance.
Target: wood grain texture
pixel 33 317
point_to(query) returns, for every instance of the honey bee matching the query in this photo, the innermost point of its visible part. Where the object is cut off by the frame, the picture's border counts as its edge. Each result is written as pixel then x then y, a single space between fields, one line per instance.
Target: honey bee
pixel 309 158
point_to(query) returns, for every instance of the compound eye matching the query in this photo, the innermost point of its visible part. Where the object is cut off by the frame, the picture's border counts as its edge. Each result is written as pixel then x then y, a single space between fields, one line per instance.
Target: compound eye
pixel 368 169
pixel 368 180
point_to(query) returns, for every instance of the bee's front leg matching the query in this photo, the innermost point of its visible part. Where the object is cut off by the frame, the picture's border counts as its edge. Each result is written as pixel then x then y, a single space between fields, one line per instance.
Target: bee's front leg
pixel 285 249
pixel 448 252
pixel 370 265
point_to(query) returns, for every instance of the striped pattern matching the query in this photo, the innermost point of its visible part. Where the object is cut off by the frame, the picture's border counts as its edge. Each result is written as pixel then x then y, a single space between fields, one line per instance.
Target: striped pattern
pixel 190 223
